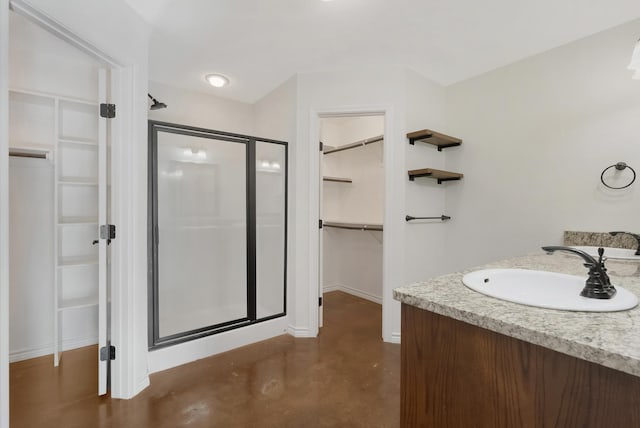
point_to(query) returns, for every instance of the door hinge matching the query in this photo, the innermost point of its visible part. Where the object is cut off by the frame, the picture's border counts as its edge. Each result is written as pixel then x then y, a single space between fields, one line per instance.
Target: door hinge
pixel 319 224
pixel 108 110
pixel 108 353
pixel 108 232
pixel 319 301
pixel 321 146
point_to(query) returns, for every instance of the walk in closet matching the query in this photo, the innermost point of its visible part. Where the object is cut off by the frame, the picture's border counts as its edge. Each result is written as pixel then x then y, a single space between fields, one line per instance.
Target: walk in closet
pixel 352 205
pixel 54 193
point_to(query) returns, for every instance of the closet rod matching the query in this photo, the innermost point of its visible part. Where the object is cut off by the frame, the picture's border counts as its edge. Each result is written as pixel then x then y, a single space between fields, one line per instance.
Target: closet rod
pixel 352 226
pixel 27 154
pixel 442 217
pixel 360 143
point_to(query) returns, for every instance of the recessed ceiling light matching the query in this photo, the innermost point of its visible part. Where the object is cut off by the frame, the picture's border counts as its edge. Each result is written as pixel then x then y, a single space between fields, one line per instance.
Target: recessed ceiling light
pixel 217 80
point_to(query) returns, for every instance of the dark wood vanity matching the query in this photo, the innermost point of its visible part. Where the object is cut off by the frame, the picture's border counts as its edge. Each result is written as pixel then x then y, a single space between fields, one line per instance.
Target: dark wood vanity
pixel 455 374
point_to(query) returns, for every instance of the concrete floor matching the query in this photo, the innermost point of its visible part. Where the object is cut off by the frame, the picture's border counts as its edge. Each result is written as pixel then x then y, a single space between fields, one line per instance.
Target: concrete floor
pixel 347 377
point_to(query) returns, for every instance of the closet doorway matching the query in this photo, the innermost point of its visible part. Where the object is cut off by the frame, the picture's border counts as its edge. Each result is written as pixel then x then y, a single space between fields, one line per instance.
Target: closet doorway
pixel 352 201
pixel 58 205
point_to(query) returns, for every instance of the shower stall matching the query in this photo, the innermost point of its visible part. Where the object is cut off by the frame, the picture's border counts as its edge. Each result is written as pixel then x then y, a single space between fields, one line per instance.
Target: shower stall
pixel 217 231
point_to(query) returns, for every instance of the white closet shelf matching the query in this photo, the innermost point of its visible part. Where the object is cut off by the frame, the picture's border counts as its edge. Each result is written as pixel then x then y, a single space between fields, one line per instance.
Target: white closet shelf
pixel 53 96
pixel 85 144
pixel 63 221
pixel 78 181
pixel 82 302
pixel 352 226
pixel 77 261
pixel 77 140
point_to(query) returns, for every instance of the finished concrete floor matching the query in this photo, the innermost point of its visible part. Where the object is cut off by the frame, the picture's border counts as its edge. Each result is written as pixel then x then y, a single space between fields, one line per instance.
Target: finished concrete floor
pixel 346 377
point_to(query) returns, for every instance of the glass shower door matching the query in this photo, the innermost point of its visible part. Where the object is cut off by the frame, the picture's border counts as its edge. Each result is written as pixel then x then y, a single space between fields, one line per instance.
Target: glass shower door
pixel 201 235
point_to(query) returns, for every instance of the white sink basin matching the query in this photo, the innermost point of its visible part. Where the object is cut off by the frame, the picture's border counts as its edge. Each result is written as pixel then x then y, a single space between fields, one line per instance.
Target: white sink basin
pixel 611 253
pixel 545 290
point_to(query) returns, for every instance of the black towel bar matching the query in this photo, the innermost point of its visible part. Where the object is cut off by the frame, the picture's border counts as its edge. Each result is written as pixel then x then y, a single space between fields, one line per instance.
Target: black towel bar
pixel 442 217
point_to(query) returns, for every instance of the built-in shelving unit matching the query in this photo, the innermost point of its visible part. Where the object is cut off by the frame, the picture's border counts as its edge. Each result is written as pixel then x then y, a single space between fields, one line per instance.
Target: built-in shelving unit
pixel 76 172
pixel 441 141
pixel 437 174
pixel 352 226
pixel 69 128
pixel 337 179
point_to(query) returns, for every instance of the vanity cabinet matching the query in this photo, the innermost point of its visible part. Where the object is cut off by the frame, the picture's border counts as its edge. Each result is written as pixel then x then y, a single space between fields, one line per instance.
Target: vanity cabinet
pixel 455 374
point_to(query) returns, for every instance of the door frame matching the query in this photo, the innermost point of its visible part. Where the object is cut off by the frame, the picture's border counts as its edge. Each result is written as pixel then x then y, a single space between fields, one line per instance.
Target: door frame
pixel 4 214
pixel 126 379
pixel 393 206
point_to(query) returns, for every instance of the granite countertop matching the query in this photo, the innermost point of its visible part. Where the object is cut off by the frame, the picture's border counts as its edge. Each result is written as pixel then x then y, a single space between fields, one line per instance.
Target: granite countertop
pixel 611 339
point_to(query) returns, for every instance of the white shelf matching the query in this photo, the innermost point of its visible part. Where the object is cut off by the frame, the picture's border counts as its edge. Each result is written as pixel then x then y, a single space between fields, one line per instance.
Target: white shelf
pixel 80 141
pixel 77 261
pixel 53 96
pixel 78 181
pixel 64 221
pixel 83 302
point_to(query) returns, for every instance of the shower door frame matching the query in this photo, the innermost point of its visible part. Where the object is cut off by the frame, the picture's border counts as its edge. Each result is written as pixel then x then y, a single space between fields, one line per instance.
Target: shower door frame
pixel 154 127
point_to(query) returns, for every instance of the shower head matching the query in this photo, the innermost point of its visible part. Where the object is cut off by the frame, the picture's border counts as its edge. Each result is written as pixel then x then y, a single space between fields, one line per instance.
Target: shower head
pixel 157 105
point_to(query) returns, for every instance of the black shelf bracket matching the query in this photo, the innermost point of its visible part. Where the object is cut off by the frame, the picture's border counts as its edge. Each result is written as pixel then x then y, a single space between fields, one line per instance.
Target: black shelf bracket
pixel 412 141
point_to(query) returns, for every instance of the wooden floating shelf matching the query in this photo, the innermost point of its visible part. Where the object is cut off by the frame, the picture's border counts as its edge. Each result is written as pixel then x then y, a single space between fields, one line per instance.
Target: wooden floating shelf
pixel 337 179
pixel 352 226
pixel 437 174
pixel 439 140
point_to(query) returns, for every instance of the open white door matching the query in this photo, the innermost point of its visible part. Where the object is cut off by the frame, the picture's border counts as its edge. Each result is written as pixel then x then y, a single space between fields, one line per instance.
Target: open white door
pixel 104 353
pixel 4 214
pixel 321 243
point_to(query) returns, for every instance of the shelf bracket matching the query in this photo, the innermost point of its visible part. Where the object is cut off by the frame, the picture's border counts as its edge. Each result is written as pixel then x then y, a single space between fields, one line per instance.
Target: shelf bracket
pixel 441 180
pixel 444 146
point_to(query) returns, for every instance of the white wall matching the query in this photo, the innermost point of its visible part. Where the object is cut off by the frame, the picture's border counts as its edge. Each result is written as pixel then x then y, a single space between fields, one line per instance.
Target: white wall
pixel 537 135
pixel 42 62
pixel 425 239
pixel 201 110
pixel 352 259
pixel 32 266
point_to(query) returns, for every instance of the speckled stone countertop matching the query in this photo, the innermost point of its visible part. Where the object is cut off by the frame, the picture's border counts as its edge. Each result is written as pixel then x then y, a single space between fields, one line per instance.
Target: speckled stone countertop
pixel 611 339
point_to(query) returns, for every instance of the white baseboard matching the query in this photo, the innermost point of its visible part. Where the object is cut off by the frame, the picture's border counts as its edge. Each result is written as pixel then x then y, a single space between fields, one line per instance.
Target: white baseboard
pixel 353 292
pixel 299 332
pixel 395 337
pixel 67 345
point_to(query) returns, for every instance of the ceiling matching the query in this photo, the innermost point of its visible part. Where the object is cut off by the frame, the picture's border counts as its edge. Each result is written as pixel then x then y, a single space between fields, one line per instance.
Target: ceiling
pixel 259 44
